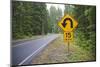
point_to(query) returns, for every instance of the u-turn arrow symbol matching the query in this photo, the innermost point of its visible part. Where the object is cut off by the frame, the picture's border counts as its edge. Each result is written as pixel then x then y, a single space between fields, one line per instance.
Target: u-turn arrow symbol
pixel 67 19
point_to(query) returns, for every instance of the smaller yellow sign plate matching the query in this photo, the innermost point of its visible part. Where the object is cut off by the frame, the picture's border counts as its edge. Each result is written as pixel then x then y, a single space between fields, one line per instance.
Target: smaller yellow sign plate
pixel 68 36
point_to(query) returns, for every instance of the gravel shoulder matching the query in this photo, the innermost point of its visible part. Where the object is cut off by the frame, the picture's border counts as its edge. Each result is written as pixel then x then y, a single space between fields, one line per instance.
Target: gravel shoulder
pixel 57 52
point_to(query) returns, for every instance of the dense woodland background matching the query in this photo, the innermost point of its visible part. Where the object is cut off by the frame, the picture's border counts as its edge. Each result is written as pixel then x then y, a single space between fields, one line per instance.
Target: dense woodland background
pixel 33 18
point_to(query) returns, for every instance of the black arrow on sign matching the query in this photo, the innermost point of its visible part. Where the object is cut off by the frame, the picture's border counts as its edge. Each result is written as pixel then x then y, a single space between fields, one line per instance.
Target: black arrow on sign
pixel 64 22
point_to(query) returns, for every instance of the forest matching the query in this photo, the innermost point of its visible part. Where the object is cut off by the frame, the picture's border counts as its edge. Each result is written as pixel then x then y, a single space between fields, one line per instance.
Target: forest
pixel 86 30
pixel 33 18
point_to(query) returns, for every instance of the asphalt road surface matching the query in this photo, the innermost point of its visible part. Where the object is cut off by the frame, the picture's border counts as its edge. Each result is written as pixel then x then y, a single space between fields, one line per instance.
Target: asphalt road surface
pixel 24 52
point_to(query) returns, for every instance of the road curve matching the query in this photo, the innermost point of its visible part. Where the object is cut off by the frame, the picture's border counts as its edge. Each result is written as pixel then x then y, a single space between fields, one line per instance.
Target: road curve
pixel 24 52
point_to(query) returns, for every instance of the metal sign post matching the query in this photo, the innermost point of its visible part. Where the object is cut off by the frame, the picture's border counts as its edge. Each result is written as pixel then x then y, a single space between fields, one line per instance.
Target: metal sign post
pixel 68 47
pixel 68 37
pixel 68 24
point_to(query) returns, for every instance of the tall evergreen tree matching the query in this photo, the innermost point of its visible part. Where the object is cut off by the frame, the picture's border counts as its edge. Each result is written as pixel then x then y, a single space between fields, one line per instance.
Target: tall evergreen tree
pixel 54 15
pixel 28 18
pixel 85 33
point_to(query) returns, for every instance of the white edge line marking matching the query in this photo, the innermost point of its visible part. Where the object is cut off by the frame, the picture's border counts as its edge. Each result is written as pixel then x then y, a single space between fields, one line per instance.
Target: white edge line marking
pixel 18 45
pixel 30 56
pixel 33 53
pixel 25 42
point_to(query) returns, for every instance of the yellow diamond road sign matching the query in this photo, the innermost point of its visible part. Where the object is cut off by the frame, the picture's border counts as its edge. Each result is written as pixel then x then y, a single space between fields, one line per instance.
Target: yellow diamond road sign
pixel 68 23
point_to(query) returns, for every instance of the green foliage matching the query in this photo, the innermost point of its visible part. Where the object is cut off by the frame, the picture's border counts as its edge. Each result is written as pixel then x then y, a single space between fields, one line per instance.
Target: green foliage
pixel 28 19
pixel 70 10
pixel 54 16
pixel 85 35
pixel 33 18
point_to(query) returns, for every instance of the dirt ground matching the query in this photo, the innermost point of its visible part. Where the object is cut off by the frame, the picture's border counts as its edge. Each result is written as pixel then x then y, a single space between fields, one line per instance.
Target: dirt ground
pixel 57 52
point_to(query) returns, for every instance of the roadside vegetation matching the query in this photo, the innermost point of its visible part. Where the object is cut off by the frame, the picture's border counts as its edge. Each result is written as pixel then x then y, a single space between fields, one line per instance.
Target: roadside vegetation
pixel 31 19
pixel 57 52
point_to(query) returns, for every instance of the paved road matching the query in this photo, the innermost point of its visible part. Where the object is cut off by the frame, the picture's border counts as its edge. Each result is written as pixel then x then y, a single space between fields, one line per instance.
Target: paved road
pixel 22 53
